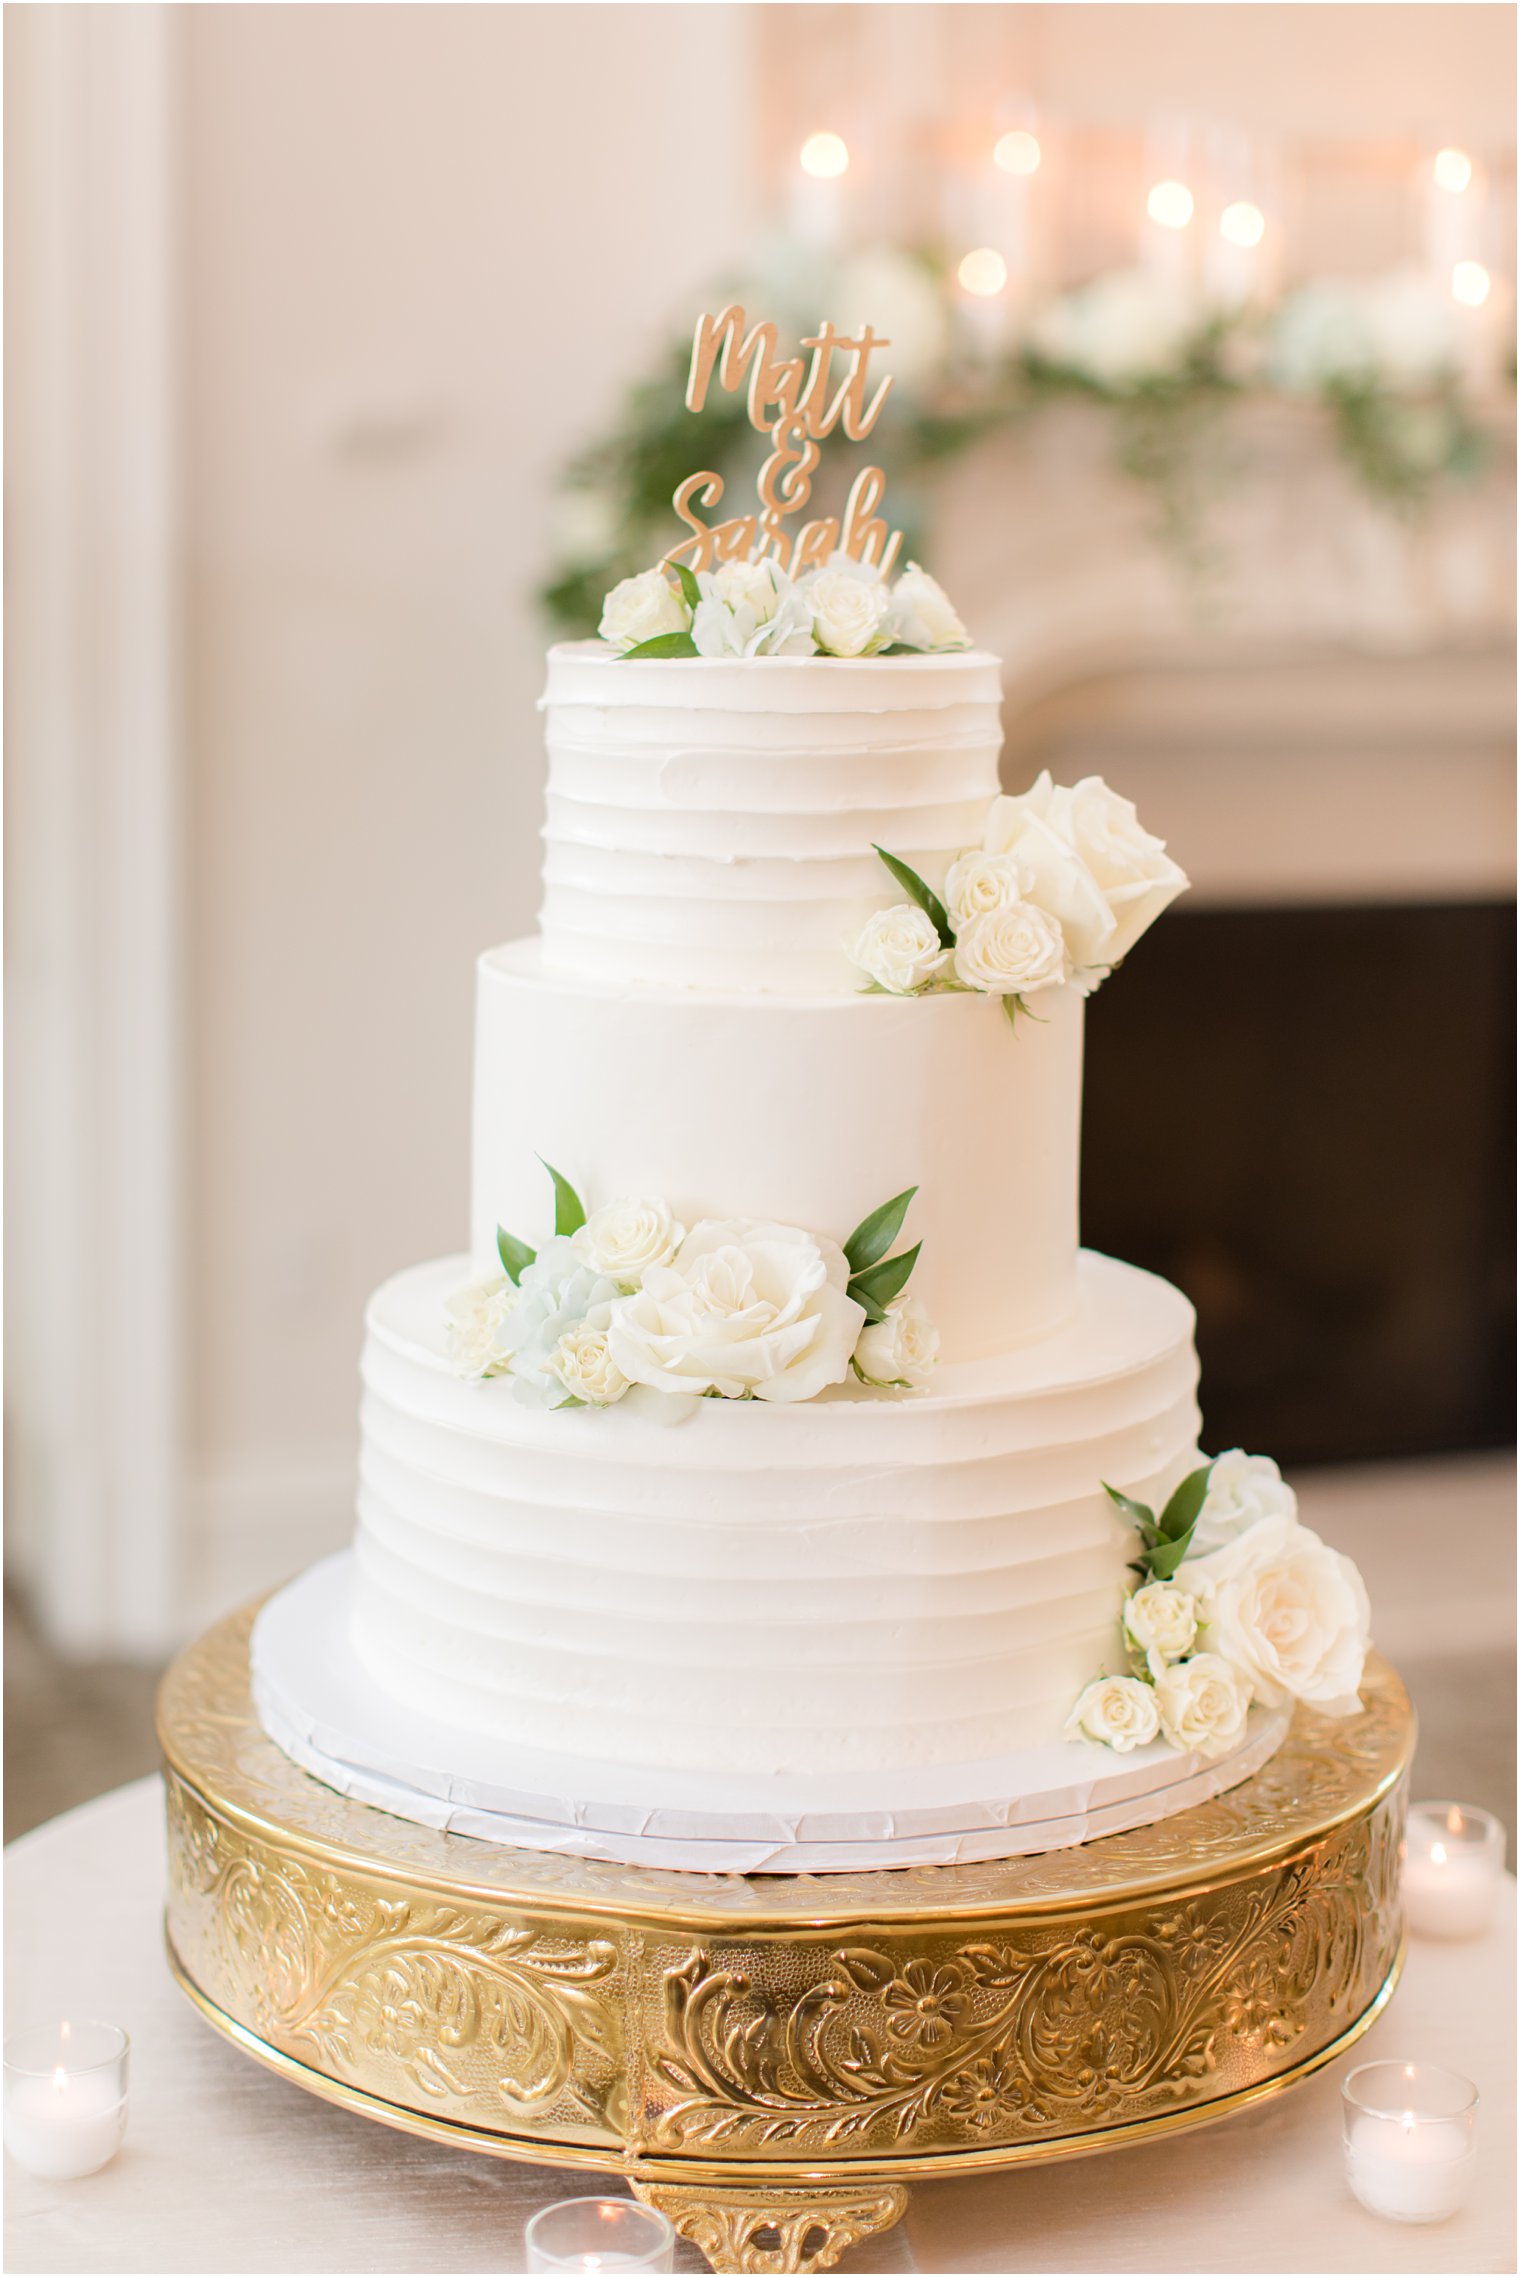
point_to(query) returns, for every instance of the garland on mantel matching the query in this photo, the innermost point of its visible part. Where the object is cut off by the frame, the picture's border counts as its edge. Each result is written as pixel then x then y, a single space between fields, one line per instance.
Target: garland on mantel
pixel 1385 361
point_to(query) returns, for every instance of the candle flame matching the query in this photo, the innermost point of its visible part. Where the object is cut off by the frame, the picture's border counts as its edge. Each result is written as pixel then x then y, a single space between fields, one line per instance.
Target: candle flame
pixel 1454 1820
pixel 1017 153
pixel 1171 204
pixel 1407 2122
pixel 983 272
pixel 1470 283
pixel 824 156
pixel 1243 224
pixel 1453 170
pixel 60 2080
pixel 1438 1853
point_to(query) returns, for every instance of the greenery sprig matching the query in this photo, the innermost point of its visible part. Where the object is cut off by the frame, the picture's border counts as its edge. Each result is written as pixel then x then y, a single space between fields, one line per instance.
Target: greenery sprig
pixel 1165 1541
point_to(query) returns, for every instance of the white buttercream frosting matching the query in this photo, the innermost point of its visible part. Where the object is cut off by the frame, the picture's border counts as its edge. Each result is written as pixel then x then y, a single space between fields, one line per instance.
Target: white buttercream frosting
pixel 809 1112
pixel 710 821
pixel 853 1581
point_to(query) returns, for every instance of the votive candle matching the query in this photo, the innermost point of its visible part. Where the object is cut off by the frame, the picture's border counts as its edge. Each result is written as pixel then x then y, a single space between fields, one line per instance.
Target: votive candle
pixel 1453 1859
pixel 65 2097
pixel 1409 2139
pixel 589 2235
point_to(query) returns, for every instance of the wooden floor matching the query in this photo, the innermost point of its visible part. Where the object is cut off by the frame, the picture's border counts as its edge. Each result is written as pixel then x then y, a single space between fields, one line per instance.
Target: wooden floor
pixel 1436 1542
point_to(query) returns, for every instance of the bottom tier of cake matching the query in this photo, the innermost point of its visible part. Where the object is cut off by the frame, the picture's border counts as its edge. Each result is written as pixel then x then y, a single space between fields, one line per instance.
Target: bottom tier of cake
pixel 860 1583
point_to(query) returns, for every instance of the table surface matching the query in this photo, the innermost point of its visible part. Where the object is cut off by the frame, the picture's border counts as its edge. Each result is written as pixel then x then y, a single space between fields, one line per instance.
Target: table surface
pixel 228 2168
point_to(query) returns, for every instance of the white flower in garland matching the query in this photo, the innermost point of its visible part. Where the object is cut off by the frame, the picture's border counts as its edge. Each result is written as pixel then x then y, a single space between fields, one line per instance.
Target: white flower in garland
pixel 922 616
pixel 643 608
pixel 1119 1711
pixel 582 1361
pixel 901 949
pixel 849 607
pixel 751 608
pixel 746 1310
pixel 1013 951
pixel 623 1239
pixel 1243 1489
pixel 1203 1704
pixel 899 1351
pixel 1289 1612
pixel 1161 1621
pixel 476 1318
pixel 1123 329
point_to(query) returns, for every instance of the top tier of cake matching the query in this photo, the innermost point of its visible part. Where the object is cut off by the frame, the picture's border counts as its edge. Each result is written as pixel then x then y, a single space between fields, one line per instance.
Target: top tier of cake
pixel 711 820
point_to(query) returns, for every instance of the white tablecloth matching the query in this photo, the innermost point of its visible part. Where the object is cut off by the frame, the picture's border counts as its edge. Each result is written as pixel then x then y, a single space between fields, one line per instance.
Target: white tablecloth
pixel 228 2168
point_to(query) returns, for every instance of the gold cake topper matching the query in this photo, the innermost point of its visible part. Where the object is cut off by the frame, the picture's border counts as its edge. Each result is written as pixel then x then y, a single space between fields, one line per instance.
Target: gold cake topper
pixel 797 401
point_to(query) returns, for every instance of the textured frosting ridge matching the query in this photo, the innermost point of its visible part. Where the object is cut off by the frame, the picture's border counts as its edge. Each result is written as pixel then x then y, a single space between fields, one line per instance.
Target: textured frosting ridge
pixel 710 821
pixel 852 1582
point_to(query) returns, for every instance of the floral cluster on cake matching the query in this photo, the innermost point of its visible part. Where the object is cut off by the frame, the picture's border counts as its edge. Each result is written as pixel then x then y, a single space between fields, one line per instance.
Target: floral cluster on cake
pixel 625 1302
pixel 1060 889
pixel 844 607
pixel 1235 1601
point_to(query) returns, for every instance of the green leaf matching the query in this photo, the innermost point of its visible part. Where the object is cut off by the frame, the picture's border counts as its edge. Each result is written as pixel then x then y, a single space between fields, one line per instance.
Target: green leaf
pixel 569 1209
pixel 569 1400
pixel 663 644
pixel 1012 1007
pixel 515 1255
pixel 691 591
pixel 1138 1513
pixel 1181 1514
pixel 1165 1558
pixel 926 897
pixel 874 1235
pixel 879 1284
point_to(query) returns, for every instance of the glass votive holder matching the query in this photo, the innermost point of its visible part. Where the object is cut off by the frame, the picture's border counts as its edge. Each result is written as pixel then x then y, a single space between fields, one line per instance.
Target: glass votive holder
pixel 1409 2139
pixel 1452 1860
pixel 600 2233
pixel 65 2097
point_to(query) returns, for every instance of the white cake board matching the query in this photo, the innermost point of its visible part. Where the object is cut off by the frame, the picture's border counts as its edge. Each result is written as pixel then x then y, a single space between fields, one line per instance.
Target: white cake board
pixel 319 1705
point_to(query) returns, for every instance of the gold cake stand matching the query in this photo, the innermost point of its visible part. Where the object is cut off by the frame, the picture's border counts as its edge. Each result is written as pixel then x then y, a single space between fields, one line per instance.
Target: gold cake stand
pixel 773 2059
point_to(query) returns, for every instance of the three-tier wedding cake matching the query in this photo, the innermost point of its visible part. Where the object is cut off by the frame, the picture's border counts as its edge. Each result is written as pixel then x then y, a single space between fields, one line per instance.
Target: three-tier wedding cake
pixel 777 1483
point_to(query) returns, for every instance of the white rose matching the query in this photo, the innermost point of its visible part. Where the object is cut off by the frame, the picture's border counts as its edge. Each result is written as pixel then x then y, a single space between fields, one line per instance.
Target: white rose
pixel 746 1309
pixel 1133 870
pixel 981 882
pixel 750 608
pixel 900 949
pixel 476 1318
pixel 1118 1710
pixel 1059 880
pixel 1290 1613
pixel 850 608
pixel 1160 1621
pixel 555 1294
pixel 1011 951
pixel 1204 1703
pixel 749 584
pixel 900 1349
pixel 1124 327
pixel 921 613
pixel 623 1239
pixel 583 1363
pixel 641 608
pixel 1242 1490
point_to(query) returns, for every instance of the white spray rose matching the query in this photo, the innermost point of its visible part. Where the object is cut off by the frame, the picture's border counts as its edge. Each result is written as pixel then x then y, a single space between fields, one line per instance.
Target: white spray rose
pixel 623 1239
pixel 476 1318
pixel 1290 1613
pixel 1013 951
pixel 900 1349
pixel 746 1309
pixel 850 608
pixel 900 949
pixel 1204 1703
pixel 1118 1710
pixel 641 608
pixel 582 1361
pixel 922 616
pixel 751 608
pixel 979 883
pixel 1160 1620
pixel 1243 1489
pixel 555 1294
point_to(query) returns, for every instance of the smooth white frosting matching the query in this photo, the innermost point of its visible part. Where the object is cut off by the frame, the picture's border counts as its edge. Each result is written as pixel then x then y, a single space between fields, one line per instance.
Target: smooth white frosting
pixel 809 1112
pixel 711 820
pixel 855 1581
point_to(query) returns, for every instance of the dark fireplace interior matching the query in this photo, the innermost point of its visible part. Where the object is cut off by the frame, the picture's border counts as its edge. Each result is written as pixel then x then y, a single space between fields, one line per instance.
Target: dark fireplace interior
pixel 1304 1117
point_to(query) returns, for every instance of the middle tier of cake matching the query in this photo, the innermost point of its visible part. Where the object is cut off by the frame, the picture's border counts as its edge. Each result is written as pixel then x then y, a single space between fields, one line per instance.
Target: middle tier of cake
pixel 805 1113
pixel 856 1582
